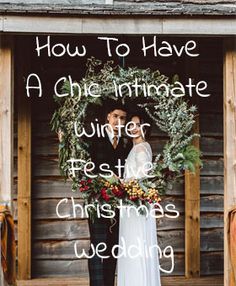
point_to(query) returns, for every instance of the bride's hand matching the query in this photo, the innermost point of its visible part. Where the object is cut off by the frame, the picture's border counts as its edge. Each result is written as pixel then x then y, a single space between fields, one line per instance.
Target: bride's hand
pixel 118 178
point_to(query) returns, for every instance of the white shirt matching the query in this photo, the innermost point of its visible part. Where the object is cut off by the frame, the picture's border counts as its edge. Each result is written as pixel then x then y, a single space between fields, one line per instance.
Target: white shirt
pixel 111 136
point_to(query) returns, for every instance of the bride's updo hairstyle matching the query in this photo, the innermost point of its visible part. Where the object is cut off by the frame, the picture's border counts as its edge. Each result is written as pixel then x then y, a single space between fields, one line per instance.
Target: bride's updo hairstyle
pixel 143 118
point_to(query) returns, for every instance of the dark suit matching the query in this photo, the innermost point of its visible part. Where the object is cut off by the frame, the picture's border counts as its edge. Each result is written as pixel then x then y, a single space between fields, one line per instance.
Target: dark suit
pixel 102 273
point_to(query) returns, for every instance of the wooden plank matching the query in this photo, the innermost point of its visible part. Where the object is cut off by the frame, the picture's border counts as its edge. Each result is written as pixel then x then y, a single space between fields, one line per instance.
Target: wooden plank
pixel 50 187
pixel 24 169
pixel 150 8
pixel 55 187
pixel 211 125
pixel 208 145
pixel 58 249
pixel 211 241
pixel 212 185
pixel 61 268
pixel 192 218
pixel 210 263
pixel 212 203
pixel 49 146
pixel 46 208
pixel 212 167
pixel 211 220
pixel 67 268
pixel 211 223
pixel 82 281
pixel 87 2
pixel 229 149
pixel 201 281
pixel 180 1
pixel 45 166
pixel 61 230
pixel 211 146
pixel 48 166
pixel 6 118
pixel 166 281
pixel 110 25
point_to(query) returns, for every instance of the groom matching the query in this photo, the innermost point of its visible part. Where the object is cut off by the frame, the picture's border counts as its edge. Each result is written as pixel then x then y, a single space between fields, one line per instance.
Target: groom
pixel 108 150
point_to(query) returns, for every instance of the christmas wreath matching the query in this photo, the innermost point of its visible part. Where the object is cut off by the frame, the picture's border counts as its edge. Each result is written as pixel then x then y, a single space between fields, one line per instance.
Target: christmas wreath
pixel 173 115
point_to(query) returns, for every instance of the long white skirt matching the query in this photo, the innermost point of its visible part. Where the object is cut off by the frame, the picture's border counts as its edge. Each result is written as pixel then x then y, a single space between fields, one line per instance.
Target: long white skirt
pixel 138 260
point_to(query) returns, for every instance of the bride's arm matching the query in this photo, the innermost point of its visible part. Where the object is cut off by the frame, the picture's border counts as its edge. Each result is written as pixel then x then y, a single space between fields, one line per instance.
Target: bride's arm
pixel 143 160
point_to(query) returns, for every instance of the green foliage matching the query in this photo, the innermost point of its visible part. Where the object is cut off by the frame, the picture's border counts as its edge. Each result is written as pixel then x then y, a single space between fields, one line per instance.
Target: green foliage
pixel 173 115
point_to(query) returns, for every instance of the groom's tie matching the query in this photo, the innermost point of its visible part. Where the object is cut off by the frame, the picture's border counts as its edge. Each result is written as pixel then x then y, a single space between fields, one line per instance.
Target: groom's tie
pixel 115 142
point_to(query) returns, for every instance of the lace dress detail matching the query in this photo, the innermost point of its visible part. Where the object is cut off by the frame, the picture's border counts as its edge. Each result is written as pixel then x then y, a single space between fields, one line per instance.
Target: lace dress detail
pixel 139 264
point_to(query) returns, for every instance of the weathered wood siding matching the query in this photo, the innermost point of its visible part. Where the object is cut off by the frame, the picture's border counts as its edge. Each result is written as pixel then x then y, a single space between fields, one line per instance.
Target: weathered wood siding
pixel 53 238
pixel 121 7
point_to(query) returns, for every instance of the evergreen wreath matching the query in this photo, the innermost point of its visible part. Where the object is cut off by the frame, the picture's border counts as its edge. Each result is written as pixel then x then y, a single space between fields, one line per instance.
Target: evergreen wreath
pixel 172 115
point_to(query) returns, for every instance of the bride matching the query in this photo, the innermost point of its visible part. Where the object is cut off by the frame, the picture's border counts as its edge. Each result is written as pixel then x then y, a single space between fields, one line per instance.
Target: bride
pixel 136 230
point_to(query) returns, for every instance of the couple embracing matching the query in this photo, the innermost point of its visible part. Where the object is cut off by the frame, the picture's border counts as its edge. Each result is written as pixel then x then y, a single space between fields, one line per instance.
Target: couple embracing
pixel 131 228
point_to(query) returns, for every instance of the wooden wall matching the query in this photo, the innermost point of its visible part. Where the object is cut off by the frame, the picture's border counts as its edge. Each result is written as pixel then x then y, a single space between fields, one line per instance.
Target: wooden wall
pixel 121 7
pixel 53 238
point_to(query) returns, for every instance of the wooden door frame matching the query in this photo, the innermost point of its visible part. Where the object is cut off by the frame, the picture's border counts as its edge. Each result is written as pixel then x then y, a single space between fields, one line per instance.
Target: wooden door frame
pixel 23 164
pixel 229 148
pixel 6 119
pixel 24 152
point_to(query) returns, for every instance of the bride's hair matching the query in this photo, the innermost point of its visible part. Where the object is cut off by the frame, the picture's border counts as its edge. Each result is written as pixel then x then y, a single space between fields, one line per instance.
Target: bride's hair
pixel 143 119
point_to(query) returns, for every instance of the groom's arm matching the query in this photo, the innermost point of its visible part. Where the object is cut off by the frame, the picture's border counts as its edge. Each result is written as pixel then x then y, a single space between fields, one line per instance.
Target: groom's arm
pixel 93 152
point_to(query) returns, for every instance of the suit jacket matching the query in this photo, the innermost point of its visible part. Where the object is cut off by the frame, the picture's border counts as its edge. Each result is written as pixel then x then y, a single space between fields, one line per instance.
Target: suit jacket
pixel 102 151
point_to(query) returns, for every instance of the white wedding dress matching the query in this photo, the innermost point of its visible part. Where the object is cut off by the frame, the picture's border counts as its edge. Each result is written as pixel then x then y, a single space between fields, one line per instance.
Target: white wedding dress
pixel 140 265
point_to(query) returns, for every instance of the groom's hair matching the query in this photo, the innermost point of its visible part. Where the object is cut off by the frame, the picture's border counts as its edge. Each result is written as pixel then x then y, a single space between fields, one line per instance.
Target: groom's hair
pixel 111 106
